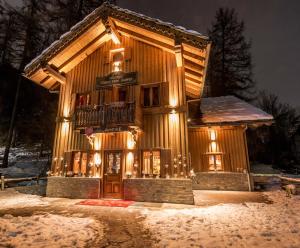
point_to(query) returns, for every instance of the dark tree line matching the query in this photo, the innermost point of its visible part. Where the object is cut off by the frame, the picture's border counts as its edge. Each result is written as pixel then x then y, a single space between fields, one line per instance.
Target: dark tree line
pixel 27 111
pixel 230 73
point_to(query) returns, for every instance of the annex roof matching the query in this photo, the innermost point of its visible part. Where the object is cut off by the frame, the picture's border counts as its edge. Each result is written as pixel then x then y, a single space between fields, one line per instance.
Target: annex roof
pixel 230 110
pixel 87 35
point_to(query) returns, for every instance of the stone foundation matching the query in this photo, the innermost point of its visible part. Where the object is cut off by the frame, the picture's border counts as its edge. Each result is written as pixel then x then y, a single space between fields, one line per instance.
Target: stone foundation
pixel 221 181
pixel 159 190
pixel 73 187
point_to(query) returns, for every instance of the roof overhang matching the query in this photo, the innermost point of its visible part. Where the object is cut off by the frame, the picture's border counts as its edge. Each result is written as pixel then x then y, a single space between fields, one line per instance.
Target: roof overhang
pixel 107 22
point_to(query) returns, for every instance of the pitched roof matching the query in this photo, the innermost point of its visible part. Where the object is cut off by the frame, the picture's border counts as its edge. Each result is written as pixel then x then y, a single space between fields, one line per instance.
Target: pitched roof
pixel 230 110
pixel 167 29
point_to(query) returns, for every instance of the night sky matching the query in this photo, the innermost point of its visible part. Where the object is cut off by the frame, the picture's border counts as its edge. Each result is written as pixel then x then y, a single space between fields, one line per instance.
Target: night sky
pixel 273 26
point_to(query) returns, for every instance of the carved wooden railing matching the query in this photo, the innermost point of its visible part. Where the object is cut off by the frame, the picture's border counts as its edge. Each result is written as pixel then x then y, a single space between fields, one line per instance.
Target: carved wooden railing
pixel 105 116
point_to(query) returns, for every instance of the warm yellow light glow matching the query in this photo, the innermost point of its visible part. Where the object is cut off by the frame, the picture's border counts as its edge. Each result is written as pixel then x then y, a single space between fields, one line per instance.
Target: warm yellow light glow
pixel 65 126
pixel 130 158
pixel 213 146
pixel 213 135
pixel 129 162
pixel 115 38
pixel 97 143
pixel 174 117
pixel 97 159
pixel 173 102
pixel 130 141
pixel 117 66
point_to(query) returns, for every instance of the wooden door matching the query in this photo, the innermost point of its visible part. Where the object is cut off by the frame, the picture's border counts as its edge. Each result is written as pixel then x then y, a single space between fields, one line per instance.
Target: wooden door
pixel 113 175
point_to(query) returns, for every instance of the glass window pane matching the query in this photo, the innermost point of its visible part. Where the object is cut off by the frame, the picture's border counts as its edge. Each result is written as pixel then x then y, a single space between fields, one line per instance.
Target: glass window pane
pixel 146 162
pixel 83 163
pixel 218 162
pixel 211 162
pixel 117 164
pixel 155 94
pixel 147 97
pixel 76 163
pixel 156 163
pixel 122 95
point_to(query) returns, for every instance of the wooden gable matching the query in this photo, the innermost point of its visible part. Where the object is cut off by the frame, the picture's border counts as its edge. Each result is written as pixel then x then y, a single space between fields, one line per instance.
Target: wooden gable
pixel 98 28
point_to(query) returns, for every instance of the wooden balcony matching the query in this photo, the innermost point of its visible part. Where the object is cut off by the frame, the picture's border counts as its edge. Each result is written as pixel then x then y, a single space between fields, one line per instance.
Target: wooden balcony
pixel 116 116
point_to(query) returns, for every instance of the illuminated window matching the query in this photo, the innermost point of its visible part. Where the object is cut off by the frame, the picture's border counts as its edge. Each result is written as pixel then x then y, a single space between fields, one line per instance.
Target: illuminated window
pixel 83 100
pixel 117 60
pixel 215 162
pixel 83 163
pixel 151 163
pixel 151 96
pixel 76 163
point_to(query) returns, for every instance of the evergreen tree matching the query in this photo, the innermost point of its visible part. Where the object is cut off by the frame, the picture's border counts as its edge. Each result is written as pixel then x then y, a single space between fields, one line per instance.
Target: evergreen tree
pixel 63 14
pixel 26 45
pixel 230 65
pixel 281 138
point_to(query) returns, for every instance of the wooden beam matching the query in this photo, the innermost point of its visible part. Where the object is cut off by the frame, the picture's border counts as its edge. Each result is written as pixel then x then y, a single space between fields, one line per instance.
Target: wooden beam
pixel 178 55
pixel 112 31
pixel 194 75
pixel 146 39
pixel 50 71
pixel 196 82
pixel 81 51
pixel 193 66
pixel 45 79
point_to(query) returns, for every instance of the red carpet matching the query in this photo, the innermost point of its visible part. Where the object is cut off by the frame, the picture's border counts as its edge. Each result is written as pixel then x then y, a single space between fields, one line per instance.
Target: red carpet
pixel 106 203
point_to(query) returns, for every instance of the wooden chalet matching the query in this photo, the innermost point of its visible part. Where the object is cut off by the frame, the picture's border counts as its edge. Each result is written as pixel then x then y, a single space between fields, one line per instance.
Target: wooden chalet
pixel 131 121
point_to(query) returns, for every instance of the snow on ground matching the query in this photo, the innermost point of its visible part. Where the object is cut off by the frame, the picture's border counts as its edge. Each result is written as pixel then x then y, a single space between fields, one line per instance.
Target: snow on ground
pixel 24 162
pixel 248 224
pixel 229 225
pixel 48 230
pixel 10 198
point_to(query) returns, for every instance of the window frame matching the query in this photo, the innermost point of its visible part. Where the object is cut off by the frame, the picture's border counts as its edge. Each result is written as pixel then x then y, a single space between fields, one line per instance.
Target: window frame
pixel 89 171
pixel 151 87
pixel 151 174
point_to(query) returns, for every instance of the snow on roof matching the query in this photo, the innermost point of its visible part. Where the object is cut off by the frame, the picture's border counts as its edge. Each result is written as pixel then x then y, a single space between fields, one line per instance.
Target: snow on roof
pixel 230 109
pixel 57 46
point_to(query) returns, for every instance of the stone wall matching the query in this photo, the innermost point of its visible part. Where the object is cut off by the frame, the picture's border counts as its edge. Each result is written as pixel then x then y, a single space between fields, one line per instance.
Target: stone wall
pixel 74 188
pixel 221 181
pixel 159 190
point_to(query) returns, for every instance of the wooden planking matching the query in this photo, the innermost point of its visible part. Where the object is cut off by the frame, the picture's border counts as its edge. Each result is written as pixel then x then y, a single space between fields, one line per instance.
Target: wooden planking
pixel 153 65
pixel 78 44
pixel 230 141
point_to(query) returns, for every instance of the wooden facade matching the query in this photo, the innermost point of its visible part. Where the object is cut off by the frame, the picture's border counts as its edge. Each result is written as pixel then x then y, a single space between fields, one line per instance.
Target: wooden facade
pixel 124 83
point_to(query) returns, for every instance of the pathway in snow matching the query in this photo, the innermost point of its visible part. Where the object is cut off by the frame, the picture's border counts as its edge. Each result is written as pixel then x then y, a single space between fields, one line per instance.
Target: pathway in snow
pixel 248 224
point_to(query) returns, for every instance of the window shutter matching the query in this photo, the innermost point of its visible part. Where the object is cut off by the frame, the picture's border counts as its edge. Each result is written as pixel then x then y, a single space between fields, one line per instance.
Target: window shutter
pixel 127 53
pixel 165 158
pixel 68 161
pixel 142 96
pixel 165 94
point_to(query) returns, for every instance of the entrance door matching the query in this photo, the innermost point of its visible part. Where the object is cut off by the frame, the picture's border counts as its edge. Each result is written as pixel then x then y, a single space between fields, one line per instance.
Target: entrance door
pixel 113 174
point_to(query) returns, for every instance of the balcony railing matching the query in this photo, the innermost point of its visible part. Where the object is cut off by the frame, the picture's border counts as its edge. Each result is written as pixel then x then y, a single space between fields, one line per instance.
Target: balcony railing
pixel 105 116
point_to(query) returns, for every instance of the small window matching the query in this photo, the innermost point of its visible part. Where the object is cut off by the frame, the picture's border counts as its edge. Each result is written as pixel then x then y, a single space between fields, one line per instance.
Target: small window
pixel 122 94
pixel 151 163
pixel 151 96
pixel 147 102
pixel 83 100
pixel 117 58
pixel 215 162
